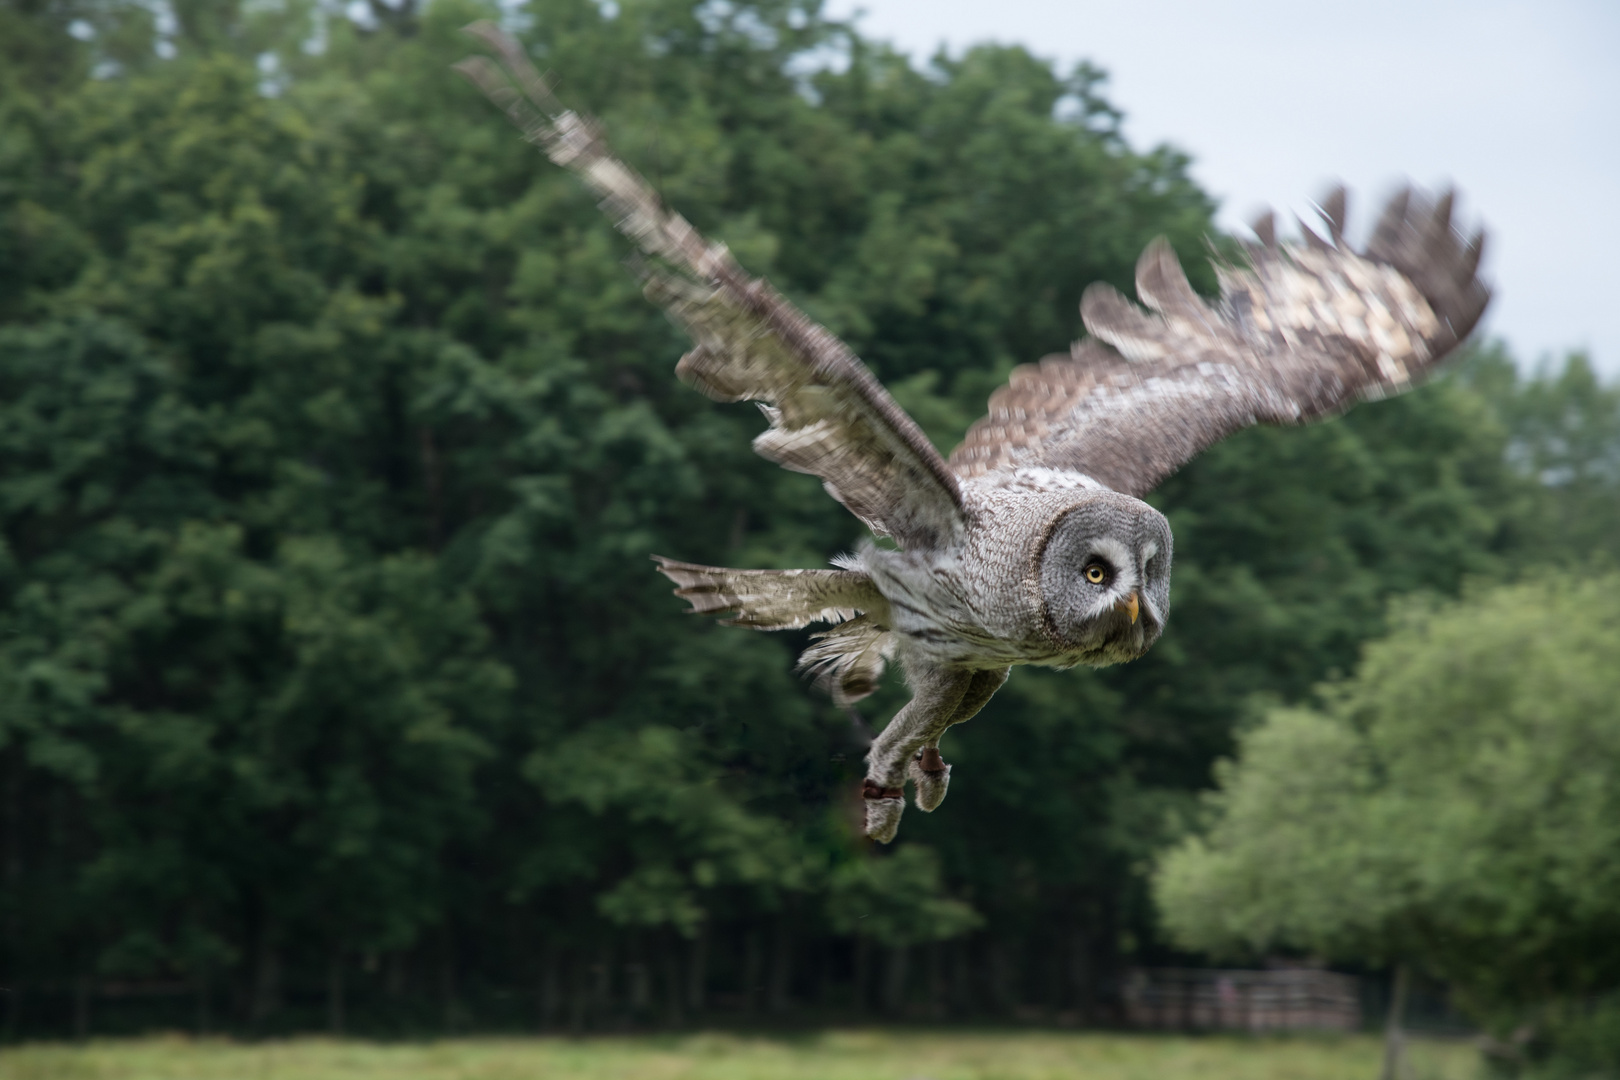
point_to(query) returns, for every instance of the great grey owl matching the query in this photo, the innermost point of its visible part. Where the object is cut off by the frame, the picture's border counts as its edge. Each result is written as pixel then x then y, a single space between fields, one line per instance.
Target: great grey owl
pixel 1030 544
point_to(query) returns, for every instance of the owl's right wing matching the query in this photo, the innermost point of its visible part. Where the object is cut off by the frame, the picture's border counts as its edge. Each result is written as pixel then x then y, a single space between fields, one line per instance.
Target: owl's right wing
pixel 1303 333
pixel 828 415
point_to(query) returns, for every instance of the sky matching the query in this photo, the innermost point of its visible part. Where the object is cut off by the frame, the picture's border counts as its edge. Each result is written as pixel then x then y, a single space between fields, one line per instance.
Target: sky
pixel 1515 103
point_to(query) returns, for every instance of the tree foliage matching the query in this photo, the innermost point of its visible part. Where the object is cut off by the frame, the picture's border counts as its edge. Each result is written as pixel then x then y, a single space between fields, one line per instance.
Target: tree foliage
pixel 1453 805
pixel 334 438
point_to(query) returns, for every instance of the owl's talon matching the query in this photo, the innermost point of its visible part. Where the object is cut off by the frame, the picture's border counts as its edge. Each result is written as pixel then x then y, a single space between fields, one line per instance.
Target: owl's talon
pixel 930 777
pixel 883 809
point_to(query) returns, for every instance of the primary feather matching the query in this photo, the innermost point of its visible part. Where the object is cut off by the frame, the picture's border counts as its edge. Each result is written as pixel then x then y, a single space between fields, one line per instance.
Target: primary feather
pixel 1304 332
pixel 828 415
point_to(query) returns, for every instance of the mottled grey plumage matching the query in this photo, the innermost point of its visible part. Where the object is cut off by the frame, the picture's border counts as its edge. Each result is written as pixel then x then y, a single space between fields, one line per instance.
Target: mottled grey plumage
pixel 1031 544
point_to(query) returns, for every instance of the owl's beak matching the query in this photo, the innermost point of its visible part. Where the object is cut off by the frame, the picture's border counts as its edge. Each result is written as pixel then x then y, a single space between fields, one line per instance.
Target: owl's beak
pixel 1131 605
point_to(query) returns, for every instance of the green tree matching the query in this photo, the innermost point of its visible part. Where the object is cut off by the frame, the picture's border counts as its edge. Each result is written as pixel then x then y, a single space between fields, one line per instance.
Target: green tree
pixel 1564 433
pixel 1451 806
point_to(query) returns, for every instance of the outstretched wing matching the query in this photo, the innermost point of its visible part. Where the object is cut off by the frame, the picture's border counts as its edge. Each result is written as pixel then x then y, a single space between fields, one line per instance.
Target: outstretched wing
pixel 828 415
pixel 1303 333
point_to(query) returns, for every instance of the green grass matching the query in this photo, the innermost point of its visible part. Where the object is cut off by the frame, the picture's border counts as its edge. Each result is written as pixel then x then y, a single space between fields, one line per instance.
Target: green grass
pixel 836 1055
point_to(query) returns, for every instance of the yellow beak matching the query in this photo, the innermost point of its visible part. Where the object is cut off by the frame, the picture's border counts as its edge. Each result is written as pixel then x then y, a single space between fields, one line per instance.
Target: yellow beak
pixel 1131 605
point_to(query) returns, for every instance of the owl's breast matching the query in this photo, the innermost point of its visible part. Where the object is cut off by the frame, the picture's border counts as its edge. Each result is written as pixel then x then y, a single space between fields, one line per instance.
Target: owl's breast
pixel 978 603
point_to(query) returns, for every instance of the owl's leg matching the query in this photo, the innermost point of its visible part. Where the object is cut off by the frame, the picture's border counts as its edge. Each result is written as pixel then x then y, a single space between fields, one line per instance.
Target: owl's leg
pixel 930 776
pixel 937 696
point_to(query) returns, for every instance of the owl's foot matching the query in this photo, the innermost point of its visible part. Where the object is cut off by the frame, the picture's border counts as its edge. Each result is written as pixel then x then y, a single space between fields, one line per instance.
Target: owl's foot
pixel 930 776
pixel 883 809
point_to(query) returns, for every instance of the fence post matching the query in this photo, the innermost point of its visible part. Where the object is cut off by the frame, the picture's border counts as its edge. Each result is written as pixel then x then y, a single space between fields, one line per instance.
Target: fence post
pixel 1394 1037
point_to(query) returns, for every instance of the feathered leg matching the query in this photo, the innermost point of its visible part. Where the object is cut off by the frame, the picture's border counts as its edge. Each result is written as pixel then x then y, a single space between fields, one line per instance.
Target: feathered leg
pixel 940 697
pixel 930 776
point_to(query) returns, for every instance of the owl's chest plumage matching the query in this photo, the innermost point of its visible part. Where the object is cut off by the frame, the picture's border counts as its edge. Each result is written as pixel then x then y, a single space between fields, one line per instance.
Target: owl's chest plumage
pixel 979 602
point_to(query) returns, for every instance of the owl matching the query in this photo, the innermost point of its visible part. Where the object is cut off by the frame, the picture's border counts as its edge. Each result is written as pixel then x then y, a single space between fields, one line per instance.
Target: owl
pixel 1030 544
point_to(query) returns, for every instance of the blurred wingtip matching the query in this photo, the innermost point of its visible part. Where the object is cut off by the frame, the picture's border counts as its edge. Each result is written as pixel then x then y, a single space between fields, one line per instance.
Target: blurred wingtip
pixel 1310 237
pixel 1474 252
pixel 1332 210
pixel 518 66
pixel 1264 228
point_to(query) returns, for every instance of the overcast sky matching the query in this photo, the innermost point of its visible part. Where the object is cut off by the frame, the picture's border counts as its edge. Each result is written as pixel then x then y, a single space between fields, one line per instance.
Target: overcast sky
pixel 1516 102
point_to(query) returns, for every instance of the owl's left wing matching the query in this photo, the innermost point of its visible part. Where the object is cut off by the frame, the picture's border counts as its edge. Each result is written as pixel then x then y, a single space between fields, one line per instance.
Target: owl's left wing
pixel 829 416
pixel 1303 333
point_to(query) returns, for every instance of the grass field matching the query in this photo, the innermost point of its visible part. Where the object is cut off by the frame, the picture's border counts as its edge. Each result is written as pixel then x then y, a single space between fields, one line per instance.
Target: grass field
pixel 837 1055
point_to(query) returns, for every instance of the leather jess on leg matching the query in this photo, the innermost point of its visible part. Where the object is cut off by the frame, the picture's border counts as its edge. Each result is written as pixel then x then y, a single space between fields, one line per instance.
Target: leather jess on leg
pixel 937 695
pixel 930 776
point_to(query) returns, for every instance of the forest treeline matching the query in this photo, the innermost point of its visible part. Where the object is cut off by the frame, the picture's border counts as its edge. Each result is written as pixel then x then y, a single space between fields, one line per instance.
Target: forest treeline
pixel 336 687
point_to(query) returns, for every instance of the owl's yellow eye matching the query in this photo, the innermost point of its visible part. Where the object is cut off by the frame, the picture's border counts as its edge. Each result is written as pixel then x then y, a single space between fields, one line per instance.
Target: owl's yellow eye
pixel 1095 573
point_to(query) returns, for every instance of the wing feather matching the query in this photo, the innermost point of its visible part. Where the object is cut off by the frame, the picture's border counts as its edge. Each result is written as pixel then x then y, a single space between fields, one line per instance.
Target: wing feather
pixel 1302 333
pixel 829 416
pixel 773 599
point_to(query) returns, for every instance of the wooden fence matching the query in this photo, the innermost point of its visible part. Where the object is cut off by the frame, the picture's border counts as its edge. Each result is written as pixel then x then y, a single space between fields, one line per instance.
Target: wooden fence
pixel 1287 999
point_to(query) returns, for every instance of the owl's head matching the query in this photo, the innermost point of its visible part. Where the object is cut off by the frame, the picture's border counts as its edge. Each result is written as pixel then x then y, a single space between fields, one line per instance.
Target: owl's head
pixel 1104 574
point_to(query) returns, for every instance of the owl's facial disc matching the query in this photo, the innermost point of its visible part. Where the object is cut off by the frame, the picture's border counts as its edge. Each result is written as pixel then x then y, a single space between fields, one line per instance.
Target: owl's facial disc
pixel 1105 579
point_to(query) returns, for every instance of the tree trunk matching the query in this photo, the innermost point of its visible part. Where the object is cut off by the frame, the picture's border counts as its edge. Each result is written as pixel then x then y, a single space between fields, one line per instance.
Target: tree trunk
pixel 550 996
pixel 447 983
pixel 334 993
pixel 264 996
pixel 1002 976
pixel 1082 982
pixel 601 997
pixel 894 981
pixel 863 950
pixel 781 978
pixel 579 999
pixel 638 984
pixel 1394 1036
pixel 82 989
pixel 964 999
pixel 14 1007
pixel 697 972
pixel 11 932
pixel 821 975
pixel 753 970
pixel 937 986
pixel 204 1001
pixel 394 981
pixel 674 989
